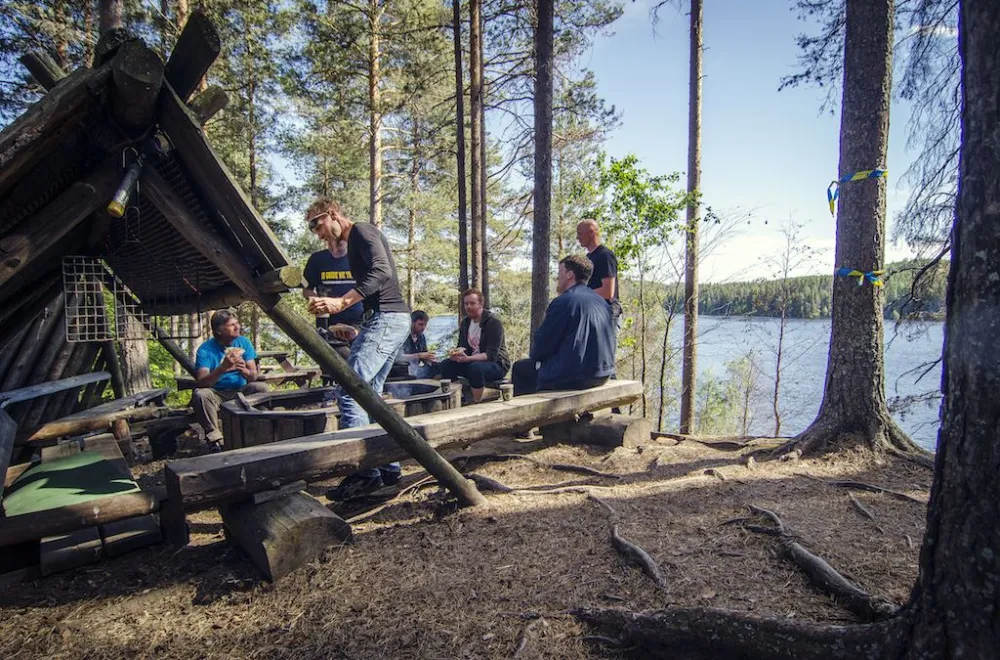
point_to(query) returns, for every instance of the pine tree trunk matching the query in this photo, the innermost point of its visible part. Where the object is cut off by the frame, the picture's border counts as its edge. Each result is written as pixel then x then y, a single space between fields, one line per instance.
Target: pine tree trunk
pixel 411 245
pixel 135 358
pixel 111 13
pixel 463 219
pixel 690 350
pixel 89 37
pixel 375 114
pixel 483 179
pixel 476 137
pixel 540 235
pixel 958 611
pixel 854 411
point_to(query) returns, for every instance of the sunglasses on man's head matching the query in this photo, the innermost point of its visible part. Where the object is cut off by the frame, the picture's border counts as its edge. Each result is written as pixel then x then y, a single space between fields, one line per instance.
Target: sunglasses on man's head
pixel 315 220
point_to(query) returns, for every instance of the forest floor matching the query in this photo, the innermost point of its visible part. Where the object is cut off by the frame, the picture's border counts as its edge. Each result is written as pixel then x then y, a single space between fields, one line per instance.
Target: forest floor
pixel 497 582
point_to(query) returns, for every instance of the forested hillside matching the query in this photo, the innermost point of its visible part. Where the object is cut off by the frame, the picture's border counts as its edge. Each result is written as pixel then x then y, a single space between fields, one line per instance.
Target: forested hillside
pixel 808 297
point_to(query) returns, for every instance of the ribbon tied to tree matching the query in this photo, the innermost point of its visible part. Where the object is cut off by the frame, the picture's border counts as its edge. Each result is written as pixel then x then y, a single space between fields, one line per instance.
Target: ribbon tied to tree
pixel 873 276
pixel 833 191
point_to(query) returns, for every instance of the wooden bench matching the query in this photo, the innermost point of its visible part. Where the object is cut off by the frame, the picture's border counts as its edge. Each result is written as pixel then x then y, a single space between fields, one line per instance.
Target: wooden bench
pixel 232 476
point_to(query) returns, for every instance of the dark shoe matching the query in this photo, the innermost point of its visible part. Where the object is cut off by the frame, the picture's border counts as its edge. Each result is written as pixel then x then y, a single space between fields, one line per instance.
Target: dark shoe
pixel 353 486
pixel 390 477
pixel 214 447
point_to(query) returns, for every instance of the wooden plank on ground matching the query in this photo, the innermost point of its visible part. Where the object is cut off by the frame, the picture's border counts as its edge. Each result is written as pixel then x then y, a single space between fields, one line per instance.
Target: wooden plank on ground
pixel 82 423
pixel 63 552
pixel 126 535
pixel 31 526
pixel 233 475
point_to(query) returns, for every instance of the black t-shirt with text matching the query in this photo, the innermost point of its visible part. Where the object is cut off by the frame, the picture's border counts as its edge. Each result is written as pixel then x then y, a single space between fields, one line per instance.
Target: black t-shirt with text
pixel 605 266
pixel 331 277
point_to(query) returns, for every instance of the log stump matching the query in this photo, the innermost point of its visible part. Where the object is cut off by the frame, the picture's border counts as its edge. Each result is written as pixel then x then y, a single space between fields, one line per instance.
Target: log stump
pixel 606 431
pixel 283 534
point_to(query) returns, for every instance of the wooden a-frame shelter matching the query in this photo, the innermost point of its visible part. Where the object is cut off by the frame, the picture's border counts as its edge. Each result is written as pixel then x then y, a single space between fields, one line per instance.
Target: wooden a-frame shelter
pixel 190 241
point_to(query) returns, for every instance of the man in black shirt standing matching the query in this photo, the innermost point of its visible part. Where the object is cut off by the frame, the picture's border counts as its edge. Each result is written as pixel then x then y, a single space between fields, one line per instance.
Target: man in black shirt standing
pixel 604 279
pixel 385 325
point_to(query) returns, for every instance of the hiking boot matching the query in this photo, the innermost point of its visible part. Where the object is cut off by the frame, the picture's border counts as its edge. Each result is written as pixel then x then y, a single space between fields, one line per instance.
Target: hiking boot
pixel 390 477
pixel 353 486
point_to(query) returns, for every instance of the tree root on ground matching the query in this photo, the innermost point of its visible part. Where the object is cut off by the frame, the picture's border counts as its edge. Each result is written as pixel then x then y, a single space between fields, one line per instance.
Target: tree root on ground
pixel 631 552
pixel 827 434
pixel 715 633
pixel 823 576
pixel 522 639
pixel 561 467
pixel 871 488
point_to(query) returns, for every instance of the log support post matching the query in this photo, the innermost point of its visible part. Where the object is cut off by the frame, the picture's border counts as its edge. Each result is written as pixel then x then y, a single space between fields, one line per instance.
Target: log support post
pixel 608 431
pixel 280 280
pixel 282 534
pixel 137 72
pixel 43 68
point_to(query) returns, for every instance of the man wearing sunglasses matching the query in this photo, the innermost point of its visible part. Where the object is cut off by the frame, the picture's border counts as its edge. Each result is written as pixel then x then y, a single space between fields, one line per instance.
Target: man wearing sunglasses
pixel 385 325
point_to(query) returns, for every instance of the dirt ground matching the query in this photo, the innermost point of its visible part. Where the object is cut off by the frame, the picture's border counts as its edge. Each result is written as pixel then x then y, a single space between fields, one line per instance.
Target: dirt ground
pixel 497 582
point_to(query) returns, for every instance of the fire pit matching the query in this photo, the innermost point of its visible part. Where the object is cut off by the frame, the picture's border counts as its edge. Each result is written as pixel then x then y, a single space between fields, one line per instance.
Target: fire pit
pixel 260 419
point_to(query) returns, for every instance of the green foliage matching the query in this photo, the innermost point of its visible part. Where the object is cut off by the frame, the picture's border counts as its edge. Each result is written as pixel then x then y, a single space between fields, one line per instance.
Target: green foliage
pixel 637 211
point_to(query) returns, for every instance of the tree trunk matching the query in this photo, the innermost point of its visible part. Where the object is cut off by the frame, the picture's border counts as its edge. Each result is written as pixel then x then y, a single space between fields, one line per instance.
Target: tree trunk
pixel 953 611
pixel 690 351
pixel 853 411
pixel 642 334
pixel 957 608
pixel 89 38
pixel 476 136
pixel 111 13
pixel 135 358
pixel 783 322
pixel 540 235
pixel 375 114
pixel 411 246
pixel 483 180
pixel 463 219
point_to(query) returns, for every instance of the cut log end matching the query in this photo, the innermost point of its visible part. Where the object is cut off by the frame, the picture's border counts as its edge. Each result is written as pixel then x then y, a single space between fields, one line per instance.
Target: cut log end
pixel 281 535
pixel 609 431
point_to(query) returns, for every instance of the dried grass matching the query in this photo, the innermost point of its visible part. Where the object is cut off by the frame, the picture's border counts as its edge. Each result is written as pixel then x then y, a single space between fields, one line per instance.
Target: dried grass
pixel 469 584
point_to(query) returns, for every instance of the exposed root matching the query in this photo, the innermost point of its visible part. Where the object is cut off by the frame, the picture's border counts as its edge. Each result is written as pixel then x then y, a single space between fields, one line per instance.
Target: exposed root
pixel 715 633
pixel 715 473
pixel 871 488
pixel 826 434
pixel 865 511
pixel 824 577
pixel 561 467
pixel 631 552
pixel 522 639
pixel 485 483
pixel 920 457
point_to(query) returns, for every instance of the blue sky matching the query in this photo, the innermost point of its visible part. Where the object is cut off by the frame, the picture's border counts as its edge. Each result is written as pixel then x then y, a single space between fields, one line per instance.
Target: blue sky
pixel 763 150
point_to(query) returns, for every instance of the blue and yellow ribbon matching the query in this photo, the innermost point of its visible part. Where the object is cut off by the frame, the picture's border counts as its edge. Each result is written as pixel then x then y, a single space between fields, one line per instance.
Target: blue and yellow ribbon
pixel 873 276
pixel 833 190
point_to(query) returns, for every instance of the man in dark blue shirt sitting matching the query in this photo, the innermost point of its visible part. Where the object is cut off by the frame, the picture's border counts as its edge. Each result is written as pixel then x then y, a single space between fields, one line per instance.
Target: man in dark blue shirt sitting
pixel 574 348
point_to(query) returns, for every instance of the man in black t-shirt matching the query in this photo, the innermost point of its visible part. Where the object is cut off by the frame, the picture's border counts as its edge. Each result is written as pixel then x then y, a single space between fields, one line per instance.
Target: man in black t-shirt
pixel 604 279
pixel 386 321
pixel 328 274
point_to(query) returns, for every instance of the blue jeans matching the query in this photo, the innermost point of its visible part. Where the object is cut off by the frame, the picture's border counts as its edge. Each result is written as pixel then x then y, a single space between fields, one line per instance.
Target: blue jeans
pixel 372 355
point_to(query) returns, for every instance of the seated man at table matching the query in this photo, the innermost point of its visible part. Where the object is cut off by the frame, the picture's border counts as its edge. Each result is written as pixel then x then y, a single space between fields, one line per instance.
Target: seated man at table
pixel 413 359
pixel 574 347
pixel 481 354
pixel 226 365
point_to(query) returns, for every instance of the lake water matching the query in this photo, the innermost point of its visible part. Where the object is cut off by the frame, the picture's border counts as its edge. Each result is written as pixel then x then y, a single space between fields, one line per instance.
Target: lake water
pixel 722 340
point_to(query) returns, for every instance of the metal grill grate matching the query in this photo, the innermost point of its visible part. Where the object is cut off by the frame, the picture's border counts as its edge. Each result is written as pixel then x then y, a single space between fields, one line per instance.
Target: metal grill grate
pixel 86 314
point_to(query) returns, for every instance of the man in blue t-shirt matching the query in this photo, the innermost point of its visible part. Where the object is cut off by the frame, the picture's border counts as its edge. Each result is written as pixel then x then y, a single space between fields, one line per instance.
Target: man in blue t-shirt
pixel 328 275
pixel 225 366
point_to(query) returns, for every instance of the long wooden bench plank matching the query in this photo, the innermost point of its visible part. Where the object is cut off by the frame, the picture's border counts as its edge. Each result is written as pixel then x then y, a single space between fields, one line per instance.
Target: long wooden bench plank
pixel 207 480
pixel 43 389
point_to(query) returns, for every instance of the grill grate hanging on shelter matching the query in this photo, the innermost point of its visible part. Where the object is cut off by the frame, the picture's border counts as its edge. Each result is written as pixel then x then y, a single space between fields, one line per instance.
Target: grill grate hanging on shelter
pixel 87 317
